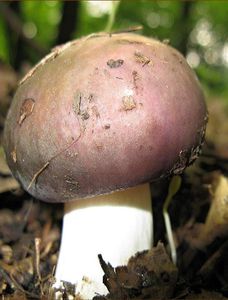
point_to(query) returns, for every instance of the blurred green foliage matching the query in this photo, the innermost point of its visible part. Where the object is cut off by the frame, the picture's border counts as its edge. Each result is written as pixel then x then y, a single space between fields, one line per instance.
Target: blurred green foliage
pixel 45 15
pixel 197 28
pixel 4 47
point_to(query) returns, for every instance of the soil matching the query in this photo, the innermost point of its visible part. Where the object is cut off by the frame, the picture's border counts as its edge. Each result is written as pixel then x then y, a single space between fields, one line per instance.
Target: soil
pixel 30 231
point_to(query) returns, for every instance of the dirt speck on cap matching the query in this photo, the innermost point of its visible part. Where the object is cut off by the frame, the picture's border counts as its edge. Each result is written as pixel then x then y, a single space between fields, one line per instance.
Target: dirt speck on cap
pixel 142 59
pixel 99 146
pixel 14 155
pixel 128 42
pixel 115 63
pixel 71 183
pixel 26 110
pixel 107 126
pixel 85 115
pixel 91 98
pixel 135 76
pixel 80 108
pixel 95 111
pixel 77 102
pixel 128 103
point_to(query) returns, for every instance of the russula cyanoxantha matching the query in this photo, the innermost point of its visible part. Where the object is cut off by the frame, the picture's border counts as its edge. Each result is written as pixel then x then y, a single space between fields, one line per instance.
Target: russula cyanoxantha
pixel 91 125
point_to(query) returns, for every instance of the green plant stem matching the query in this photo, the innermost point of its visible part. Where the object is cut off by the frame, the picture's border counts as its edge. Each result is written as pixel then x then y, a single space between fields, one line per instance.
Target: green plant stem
pixel 112 16
pixel 174 186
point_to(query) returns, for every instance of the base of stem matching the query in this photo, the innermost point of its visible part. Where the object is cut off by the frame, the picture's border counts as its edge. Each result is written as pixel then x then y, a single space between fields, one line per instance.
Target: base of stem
pixel 116 225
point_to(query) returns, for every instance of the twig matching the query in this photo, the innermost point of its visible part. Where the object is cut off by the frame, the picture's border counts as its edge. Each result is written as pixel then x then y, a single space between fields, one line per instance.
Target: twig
pixel 13 284
pixel 37 242
pixel 36 175
pixel 130 29
pixel 7 277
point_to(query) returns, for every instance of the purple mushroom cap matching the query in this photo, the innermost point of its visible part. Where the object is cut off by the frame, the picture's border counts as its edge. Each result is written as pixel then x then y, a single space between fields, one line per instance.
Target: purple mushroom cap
pixel 104 113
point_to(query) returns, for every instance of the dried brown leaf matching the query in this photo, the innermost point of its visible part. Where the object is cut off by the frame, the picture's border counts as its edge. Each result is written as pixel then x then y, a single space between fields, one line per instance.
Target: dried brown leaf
pixel 148 275
pixel 8 184
pixel 199 235
pixel 4 169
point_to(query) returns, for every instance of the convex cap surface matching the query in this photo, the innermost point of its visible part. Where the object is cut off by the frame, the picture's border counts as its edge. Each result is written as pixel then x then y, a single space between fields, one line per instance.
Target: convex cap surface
pixel 104 113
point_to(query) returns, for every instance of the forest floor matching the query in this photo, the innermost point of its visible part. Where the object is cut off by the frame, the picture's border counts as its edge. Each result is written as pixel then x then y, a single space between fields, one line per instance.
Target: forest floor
pixel 30 230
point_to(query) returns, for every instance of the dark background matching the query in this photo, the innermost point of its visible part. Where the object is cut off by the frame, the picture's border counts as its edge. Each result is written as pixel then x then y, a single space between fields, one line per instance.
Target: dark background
pixel 29 29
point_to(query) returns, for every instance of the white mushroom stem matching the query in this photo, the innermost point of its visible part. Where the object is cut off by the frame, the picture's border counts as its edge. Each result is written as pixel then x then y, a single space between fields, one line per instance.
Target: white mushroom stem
pixel 116 225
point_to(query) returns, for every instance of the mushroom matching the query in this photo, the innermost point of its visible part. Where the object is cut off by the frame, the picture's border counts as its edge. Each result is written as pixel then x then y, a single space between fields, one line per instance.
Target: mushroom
pixel 91 125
